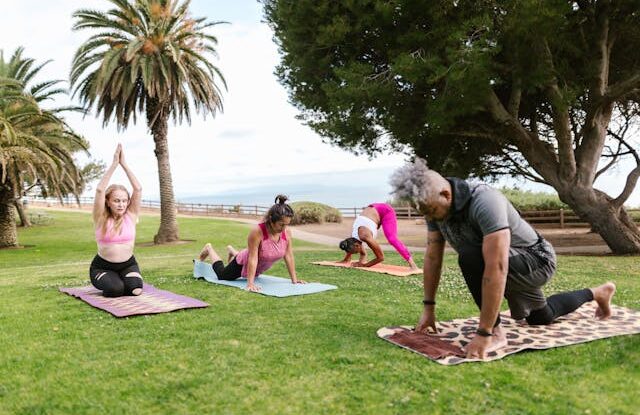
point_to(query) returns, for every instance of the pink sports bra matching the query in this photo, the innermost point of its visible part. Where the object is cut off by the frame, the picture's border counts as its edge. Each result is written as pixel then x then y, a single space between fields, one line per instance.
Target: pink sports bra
pixel 269 252
pixel 127 232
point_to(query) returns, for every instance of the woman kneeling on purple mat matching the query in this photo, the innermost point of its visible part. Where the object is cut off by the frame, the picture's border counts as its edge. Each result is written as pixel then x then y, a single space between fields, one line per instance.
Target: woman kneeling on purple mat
pixel 268 242
pixel 115 270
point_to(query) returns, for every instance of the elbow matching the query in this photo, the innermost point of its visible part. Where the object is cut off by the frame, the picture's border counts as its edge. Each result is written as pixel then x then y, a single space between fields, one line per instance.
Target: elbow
pixel 137 189
pixel 381 258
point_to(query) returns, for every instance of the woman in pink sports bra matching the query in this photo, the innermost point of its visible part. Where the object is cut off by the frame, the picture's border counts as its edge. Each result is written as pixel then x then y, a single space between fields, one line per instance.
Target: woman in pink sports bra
pixel 114 269
pixel 365 229
pixel 268 242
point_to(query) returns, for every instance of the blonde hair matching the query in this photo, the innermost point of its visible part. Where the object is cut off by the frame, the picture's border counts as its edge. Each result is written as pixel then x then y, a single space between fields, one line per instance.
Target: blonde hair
pixel 106 214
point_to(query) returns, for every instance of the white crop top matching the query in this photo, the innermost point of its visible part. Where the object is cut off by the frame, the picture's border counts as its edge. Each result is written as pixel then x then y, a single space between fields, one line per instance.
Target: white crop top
pixel 367 223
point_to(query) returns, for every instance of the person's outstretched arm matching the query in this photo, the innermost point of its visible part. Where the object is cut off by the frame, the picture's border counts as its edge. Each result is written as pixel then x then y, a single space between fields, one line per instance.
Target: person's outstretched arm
pixel 253 245
pixel 431 277
pixel 495 251
pixel 98 201
pixel 290 261
pixel 136 195
pixel 346 259
pixel 377 251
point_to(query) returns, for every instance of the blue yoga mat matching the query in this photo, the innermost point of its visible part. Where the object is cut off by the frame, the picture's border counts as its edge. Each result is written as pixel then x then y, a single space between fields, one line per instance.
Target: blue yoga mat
pixel 272 286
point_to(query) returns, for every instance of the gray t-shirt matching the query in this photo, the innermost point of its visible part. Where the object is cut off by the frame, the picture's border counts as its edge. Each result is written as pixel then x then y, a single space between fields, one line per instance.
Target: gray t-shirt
pixel 478 210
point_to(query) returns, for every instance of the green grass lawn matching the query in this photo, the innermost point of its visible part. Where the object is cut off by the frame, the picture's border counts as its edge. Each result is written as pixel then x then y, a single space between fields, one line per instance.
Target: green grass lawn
pixel 248 353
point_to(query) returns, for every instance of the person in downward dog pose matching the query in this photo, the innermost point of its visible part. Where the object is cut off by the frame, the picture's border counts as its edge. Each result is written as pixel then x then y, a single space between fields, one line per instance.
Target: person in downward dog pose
pixel 114 269
pixel 365 230
pixel 268 242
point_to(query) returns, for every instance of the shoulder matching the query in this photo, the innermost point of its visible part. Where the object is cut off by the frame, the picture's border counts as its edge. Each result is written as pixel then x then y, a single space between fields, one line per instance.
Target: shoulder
pixel 486 197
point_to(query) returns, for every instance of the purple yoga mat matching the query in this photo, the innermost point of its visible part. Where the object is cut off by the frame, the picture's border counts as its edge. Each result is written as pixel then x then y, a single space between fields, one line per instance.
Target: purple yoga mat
pixel 151 301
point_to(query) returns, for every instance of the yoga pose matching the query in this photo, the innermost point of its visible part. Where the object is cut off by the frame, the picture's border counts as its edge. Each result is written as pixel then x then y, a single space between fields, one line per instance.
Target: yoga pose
pixel 365 229
pixel 499 253
pixel 115 270
pixel 268 242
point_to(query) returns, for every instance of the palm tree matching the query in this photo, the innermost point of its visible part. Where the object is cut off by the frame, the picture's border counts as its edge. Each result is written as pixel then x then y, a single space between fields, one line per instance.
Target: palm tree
pixel 35 144
pixel 148 56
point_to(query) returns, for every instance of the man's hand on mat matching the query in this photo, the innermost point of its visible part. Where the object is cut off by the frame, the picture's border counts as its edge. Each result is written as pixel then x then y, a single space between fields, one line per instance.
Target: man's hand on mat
pixel 427 323
pixel 298 282
pixel 358 264
pixel 253 287
pixel 478 346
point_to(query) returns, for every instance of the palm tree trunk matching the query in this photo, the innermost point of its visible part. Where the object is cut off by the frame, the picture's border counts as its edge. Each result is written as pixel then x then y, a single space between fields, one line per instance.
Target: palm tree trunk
pixel 8 231
pixel 168 231
pixel 24 219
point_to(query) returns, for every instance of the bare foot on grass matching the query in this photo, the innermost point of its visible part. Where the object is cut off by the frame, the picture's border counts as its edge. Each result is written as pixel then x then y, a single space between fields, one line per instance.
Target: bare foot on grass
pixel 204 253
pixel 602 295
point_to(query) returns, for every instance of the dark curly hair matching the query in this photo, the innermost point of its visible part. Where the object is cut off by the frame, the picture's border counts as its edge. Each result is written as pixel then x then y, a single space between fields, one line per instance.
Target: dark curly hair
pixel 349 244
pixel 279 210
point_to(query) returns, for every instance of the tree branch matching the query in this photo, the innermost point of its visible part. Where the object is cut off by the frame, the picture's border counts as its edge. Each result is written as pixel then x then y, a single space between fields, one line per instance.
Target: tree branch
pixel 619 90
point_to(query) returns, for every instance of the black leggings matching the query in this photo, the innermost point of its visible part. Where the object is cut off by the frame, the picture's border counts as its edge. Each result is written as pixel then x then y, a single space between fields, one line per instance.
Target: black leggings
pixel 472 267
pixel 231 272
pixel 558 305
pixel 115 278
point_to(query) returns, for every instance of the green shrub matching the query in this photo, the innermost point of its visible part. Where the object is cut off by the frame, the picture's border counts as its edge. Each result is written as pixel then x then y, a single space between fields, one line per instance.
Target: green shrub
pixel 527 200
pixel 313 212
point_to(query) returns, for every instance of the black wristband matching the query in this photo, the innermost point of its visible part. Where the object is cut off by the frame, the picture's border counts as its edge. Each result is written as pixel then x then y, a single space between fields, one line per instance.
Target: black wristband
pixel 483 333
pixel 428 302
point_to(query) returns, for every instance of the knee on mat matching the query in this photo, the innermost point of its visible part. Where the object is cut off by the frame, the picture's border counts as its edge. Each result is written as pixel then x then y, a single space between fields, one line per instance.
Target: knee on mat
pixel 114 289
pixel 540 317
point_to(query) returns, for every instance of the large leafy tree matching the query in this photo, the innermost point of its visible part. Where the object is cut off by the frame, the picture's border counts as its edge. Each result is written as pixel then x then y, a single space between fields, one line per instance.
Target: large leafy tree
pixel 148 56
pixel 36 145
pixel 545 89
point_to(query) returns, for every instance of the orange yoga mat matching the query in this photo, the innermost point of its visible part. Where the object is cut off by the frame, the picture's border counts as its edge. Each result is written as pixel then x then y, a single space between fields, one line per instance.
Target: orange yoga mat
pixel 381 268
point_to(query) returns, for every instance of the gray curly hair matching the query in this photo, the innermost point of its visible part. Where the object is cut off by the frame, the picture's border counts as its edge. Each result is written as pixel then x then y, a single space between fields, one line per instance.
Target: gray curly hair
pixel 417 183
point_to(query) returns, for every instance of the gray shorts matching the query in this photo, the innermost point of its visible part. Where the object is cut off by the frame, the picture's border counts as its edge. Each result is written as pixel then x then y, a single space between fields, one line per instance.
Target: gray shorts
pixel 529 269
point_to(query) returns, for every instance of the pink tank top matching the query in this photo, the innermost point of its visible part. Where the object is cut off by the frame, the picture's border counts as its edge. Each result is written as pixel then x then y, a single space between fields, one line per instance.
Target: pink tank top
pixel 269 252
pixel 127 232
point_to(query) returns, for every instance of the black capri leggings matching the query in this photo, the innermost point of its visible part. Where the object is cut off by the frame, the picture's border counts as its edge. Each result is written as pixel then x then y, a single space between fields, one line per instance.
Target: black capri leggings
pixel 115 278
pixel 231 272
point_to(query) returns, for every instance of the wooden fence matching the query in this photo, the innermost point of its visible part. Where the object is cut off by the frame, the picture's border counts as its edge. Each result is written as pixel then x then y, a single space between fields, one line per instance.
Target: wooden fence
pixel 543 218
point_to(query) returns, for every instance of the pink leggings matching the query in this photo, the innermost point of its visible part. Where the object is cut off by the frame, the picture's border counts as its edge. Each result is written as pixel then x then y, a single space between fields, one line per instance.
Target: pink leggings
pixel 389 225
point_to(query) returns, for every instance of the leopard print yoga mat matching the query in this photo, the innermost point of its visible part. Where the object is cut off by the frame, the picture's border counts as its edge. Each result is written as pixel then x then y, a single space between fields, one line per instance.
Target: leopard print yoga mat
pixel 578 327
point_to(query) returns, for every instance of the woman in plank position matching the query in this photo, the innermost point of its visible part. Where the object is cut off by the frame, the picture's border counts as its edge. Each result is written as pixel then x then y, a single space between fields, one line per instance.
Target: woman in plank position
pixel 365 229
pixel 114 269
pixel 268 242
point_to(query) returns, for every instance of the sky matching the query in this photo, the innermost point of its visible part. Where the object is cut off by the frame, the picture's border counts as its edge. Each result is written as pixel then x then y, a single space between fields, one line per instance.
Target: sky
pixel 256 141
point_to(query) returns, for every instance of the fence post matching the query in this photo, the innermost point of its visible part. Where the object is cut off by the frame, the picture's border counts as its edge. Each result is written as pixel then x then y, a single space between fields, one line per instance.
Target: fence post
pixel 256 210
pixel 355 212
pixel 561 218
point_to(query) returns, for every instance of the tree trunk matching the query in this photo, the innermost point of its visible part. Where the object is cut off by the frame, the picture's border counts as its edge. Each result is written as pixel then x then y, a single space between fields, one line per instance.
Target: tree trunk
pixel 613 224
pixel 157 122
pixel 8 230
pixel 24 219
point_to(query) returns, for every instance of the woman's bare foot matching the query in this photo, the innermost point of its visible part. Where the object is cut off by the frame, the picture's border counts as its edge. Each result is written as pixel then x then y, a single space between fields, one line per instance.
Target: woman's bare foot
pixel 204 253
pixel 136 291
pixel 498 340
pixel 602 295
pixel 231 253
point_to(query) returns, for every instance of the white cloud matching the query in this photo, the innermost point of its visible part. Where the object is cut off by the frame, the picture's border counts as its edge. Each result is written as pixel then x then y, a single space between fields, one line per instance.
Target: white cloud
pixel 256 137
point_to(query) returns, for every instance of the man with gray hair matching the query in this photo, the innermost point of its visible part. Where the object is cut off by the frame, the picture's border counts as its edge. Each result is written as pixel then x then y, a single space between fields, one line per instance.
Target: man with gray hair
pixel 499 253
